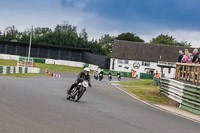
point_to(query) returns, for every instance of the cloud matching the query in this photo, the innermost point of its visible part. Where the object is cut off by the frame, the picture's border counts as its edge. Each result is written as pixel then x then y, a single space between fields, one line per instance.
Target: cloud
pixel 96 25
pixel 77 4
pixel 180 35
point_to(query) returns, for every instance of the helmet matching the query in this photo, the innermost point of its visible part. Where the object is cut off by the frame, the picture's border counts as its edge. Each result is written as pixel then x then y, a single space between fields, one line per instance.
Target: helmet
pixel 87 69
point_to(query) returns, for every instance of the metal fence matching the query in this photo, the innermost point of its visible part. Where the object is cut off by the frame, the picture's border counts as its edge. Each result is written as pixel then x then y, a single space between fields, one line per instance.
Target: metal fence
pixel 55 52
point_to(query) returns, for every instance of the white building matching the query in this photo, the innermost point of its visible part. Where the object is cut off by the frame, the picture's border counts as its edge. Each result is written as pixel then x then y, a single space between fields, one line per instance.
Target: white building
pixel 144 57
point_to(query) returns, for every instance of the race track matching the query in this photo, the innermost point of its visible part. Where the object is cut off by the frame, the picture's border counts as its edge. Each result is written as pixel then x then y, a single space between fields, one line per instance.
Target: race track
pixel 39 105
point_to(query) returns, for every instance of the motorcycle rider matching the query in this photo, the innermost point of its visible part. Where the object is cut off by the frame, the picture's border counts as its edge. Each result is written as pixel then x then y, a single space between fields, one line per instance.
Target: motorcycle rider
pixel 118 75
pixel 82 75
pixel 110 76
pixel 96 74
pixel 101 75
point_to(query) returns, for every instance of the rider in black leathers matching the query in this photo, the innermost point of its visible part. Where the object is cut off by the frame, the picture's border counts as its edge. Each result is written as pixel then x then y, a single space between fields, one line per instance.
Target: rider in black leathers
pixel 84 75
pixel 118 73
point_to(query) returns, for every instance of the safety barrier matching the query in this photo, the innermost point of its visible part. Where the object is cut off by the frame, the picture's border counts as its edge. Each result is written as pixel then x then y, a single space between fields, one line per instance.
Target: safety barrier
pixel 114 73
pixel 16 69
pixel 70 63
pixel 9 57
pixel 187 95
pixel 35 59
pixel 146 76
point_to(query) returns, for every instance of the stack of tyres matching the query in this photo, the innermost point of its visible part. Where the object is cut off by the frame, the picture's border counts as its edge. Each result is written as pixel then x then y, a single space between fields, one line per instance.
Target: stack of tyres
pixel 1 69
pixel 8 70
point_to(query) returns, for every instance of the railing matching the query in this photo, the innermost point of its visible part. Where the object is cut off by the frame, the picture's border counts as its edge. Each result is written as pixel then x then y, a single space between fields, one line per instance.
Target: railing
pixel 188 72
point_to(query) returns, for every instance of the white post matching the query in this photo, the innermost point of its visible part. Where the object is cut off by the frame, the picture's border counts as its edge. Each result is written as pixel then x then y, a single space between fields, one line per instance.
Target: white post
pixel 29 52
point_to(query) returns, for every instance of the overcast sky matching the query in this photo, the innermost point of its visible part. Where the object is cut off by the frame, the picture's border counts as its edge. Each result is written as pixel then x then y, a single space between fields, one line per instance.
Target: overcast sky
pixel 146 18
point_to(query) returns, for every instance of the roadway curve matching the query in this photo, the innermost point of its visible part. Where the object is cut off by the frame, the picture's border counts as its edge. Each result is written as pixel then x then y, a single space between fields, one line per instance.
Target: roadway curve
pixel 38 105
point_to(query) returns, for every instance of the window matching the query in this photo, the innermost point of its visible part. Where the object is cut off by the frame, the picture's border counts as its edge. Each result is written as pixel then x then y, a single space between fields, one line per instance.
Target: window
pixel 145 63
pixel 122 61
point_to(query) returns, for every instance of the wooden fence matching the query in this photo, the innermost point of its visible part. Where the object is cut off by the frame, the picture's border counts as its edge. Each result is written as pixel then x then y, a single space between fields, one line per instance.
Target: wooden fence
pixel 188 72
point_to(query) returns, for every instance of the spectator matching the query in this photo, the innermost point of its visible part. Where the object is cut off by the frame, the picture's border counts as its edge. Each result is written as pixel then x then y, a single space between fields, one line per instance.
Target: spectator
pixel 157 75
pixel 186 58
pixel 180 56
pixel 133 73
pixel 195 59
pixel 46 70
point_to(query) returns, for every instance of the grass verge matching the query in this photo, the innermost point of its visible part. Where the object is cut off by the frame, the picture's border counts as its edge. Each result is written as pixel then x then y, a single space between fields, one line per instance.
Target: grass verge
pixel 145 90
pixel 43 66
pixel 59 68
pixel 8 62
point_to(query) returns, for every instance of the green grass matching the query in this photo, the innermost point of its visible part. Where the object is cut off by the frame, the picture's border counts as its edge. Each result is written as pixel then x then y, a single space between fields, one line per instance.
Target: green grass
pixel 21 75
pixel 8 63
pixel 43 66
pixel 145 82
pixel 59 68
pixel 145 90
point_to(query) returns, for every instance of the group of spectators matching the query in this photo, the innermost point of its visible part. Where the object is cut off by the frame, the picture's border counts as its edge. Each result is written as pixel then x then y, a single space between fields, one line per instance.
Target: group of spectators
pixel 185 56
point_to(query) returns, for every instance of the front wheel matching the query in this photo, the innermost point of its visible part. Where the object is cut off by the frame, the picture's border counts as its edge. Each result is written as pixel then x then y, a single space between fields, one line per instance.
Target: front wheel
pixel 68 96
pixel 79 94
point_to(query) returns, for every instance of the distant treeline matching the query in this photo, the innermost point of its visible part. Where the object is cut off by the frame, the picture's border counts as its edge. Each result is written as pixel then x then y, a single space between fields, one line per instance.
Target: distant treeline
pixel 66 35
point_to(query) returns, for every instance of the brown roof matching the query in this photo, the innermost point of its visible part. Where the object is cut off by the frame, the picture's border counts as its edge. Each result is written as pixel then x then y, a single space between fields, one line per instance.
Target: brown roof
pixel 146 51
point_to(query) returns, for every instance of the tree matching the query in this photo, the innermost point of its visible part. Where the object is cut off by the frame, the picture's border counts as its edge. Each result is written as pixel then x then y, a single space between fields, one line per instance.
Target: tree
pixel 168 40
pixel 164 39
pixel 84 35
pixel 10 33
pixel 185 44
pixel 129 37
pixel 107 42
pixel 62 35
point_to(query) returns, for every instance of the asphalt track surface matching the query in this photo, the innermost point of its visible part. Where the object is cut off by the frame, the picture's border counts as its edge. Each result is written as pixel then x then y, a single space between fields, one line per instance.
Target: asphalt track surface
pixel 39 105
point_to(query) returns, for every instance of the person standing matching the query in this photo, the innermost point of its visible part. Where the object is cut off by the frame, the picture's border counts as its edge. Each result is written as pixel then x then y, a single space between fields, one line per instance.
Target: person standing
pixel 180 56
pixel 186 58
pixel 195 59
pixel 133 73
pixel 46 70
pixel 157 75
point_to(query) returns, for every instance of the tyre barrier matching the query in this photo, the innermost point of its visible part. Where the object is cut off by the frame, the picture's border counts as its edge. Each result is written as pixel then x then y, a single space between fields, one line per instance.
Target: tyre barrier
pixel 17 69
pixel 55 75
pixel 187 95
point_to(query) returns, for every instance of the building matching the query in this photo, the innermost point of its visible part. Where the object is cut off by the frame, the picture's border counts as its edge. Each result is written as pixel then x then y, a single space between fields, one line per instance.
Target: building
pixel 144 58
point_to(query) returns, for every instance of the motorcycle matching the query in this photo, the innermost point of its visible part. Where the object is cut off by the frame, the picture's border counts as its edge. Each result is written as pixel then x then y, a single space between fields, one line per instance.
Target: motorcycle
pixel 96 76
pixel 109 77
pixel 119 77
pixel 77 92
pixel 100 76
